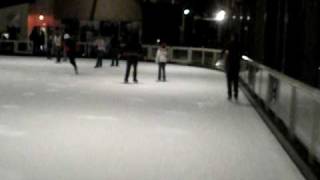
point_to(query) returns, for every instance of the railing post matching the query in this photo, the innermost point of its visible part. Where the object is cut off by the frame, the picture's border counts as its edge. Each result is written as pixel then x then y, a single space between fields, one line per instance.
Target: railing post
pixel 315 133
pixel 189 56
pixel 171 54
pixel 273 88
pixel 319 77
pixel 15 47
pixel 292 112
pixel 31 46
pixel 86 47
pixel 260 82
pixel 202 57
pixel 214 60
pixel 149 53
pixel 252 77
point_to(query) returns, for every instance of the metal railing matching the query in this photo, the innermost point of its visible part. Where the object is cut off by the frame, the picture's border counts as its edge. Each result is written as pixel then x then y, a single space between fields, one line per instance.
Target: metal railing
pixel 296 104
pixel 182 55
pixel 16 47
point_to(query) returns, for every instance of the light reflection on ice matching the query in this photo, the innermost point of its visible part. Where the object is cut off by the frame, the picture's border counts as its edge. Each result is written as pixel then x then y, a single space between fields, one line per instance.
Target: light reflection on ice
pixel 28 94
pixel 10 106
pixel 97 117
pixel 9 132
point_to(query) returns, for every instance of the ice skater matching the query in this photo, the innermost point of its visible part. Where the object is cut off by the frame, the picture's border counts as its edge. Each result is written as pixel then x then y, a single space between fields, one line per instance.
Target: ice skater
pixel 49 44
pixel 71 46
pixel 162 59
pixel 64 40
pixel 114 51
pixel 58 48
pixel 35 38
pixel 232 65
pixel 132 52
pixel 100 44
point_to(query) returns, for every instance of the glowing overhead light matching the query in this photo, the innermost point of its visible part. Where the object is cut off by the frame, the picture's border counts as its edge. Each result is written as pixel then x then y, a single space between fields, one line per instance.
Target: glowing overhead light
pixel 41 17
pixel 220 16
pixel 247 58
pixel 186 11
pixel 6 35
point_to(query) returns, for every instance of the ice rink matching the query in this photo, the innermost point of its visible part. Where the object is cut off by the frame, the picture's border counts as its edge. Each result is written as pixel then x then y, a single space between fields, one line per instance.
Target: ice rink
pixel 55 125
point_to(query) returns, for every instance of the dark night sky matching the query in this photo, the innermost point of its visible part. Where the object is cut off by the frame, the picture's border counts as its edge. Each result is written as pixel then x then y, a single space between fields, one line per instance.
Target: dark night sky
pixel 5 3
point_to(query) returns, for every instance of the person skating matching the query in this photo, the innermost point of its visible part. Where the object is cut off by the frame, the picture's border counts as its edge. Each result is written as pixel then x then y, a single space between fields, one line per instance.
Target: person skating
pixel 100 44
pixel 57 41
pixel 64 40
pixel 232 65
pixel 132 52
pixel 42 40
pixel 114 51
pixel 49 44
pixel 35 38
pixel 71 46
pixel 162 59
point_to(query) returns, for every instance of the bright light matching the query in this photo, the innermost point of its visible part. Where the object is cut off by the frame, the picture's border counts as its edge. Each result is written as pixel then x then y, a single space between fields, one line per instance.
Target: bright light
pixel 220 16
pixel 6 35
pixel 186 11
pixel 247 58
pixel 41 17
pixel 158 41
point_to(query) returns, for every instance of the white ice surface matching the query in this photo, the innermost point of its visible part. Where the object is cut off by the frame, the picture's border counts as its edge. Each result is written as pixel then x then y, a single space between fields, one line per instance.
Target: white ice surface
pixel 58 126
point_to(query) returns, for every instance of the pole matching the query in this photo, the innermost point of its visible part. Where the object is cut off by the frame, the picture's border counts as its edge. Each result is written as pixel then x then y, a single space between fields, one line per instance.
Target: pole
pixel 93 9
pixel 319 77
pixel 182 29
pixel 119 30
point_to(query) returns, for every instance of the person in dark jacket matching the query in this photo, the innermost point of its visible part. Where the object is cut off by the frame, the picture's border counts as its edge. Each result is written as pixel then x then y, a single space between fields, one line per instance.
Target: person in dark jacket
pixel 49 44
pixel 114 51
pixel 71 51
pixel 232 65
pixel 42 40
pixel 35 38
pixel 132 52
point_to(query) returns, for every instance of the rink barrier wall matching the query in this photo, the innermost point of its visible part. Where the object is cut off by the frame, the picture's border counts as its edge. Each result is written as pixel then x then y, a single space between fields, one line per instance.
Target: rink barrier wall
pixel 204 57
pixel 293 106
pixel 16 47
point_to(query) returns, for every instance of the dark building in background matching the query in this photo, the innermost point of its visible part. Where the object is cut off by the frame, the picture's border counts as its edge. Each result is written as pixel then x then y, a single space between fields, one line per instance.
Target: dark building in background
pixel 14 2
pixel 285 35
pixel 161 21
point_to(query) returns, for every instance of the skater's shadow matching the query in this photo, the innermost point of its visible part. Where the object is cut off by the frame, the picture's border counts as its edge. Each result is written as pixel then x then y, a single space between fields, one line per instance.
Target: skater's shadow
pixel 131 83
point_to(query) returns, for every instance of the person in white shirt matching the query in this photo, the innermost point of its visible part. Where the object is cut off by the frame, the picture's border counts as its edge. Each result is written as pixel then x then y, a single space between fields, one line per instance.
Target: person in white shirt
pixel 100 44
pixel 162 59
pixel 57 41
